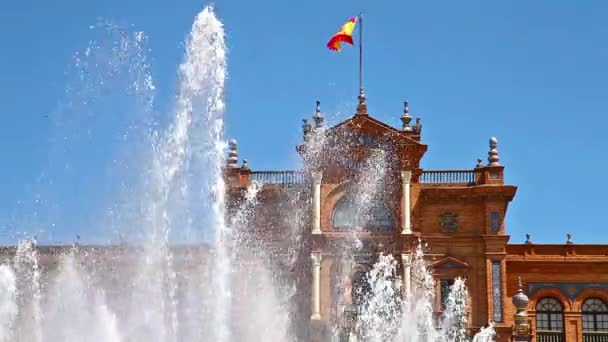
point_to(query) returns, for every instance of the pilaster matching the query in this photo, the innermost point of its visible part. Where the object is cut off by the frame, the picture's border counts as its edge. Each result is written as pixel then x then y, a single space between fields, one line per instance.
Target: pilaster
pixel 316 285
pixel 406 260
pixel 316 202
pixel 406 224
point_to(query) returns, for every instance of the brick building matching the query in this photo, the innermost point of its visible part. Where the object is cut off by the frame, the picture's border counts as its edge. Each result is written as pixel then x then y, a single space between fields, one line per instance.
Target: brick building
pixel 459 214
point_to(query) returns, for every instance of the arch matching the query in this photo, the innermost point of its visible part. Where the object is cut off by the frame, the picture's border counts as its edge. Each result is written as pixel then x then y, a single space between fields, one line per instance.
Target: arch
pixel 550 292
pixel 339 190
pixel 589 293
pixel 549 314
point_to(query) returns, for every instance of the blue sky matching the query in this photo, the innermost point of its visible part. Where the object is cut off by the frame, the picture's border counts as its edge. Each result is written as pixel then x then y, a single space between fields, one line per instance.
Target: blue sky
pixel 533 74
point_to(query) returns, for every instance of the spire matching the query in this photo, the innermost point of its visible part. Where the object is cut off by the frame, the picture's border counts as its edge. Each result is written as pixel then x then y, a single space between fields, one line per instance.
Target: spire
pixel 479 163
pixel 233 159
pixel 362 106
pixel 418 127
pixel 406 118
pixel 569 241
pixel 306 129
pixel 493 158
pixel 318 116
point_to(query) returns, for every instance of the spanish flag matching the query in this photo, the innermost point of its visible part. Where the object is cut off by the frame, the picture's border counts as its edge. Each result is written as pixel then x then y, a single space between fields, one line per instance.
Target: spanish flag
pixel 344 35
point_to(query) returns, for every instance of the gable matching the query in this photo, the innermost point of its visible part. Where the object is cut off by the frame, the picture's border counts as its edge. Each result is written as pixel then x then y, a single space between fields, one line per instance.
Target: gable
pixel 365 124
pixel 450 263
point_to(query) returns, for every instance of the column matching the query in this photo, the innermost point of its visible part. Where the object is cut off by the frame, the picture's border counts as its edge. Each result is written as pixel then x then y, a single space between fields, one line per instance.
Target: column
pixel 316 202
pixel 406 224
pixel 406 260
pixel 316 286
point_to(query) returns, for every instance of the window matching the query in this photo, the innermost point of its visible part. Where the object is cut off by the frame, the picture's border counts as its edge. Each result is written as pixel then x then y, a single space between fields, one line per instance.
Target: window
pixel 496 291
pixel 348 214
pixel 495 221
pixel 446 288
pixel 595 315
pixel 549 315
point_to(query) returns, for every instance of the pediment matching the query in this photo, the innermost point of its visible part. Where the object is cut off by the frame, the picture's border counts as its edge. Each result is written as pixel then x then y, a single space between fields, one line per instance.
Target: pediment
pixel 450 263
pixel 350 146
pixel 373 128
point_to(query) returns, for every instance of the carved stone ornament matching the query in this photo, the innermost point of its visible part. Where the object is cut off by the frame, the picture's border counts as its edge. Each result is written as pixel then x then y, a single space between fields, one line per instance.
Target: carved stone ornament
pixel 449 221
pixel 521 329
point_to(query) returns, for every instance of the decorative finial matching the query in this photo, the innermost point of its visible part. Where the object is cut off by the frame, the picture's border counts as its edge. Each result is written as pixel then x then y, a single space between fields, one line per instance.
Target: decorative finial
pixel 569 241
pixel 528 241
pixel 418 126
pixel 406 118
pixel 318 116
pixel 520 300
pixel 306 129
pixel 245 165
pixel 233 159
pixel 520 287
pixel 521 324
pixel 479 163
pixel 493 158
pixel 362 106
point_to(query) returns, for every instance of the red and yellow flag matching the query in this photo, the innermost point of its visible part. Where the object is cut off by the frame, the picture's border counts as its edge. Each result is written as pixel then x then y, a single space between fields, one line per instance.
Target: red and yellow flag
pixel 344 35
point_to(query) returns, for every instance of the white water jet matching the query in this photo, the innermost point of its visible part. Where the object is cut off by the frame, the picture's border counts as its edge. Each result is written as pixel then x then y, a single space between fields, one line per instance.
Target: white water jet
pixel 379 316
pixel 29 292
pixel 75 310
pixel 485 334
pixel 201 105
pixel 369 185
pixel 454 322
pixel 8 303
pixel 160 299
pixel 417 321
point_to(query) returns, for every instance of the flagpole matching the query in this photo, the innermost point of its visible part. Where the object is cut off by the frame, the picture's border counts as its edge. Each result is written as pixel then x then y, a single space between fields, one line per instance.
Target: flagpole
pixel 361 94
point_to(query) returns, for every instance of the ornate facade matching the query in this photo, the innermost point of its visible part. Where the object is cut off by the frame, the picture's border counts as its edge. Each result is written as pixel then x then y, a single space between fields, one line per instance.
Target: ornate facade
pixel 530 292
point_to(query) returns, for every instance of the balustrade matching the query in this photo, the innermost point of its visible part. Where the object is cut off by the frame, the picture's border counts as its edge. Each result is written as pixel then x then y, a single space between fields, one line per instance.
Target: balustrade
pixel 595 336
pixel 448 177
pixel 550 336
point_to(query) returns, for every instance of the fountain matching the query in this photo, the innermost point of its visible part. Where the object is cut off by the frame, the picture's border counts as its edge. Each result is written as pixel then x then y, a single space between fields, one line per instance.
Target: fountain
pixel 221 284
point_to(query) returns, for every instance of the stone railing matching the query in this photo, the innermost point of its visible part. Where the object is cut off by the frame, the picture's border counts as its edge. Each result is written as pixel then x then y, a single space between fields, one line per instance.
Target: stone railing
pixel 428 176
pixel 448 177
pixel 278 177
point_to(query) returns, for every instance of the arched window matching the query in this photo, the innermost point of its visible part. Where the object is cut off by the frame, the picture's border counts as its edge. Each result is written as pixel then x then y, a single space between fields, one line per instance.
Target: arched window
pixel 549 315
pixel 595 315
pixel 348 214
